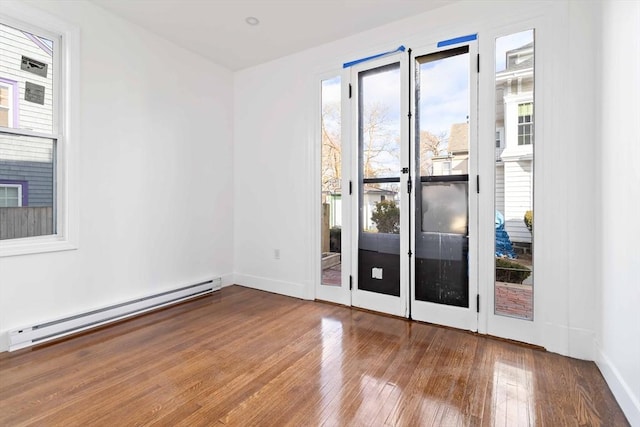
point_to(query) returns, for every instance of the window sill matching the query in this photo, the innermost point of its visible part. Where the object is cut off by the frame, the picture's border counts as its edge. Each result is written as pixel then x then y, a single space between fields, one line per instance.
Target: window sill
pixel 35 245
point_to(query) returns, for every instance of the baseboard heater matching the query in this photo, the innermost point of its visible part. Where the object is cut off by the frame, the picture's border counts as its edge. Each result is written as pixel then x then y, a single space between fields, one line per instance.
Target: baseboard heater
pixel 43 332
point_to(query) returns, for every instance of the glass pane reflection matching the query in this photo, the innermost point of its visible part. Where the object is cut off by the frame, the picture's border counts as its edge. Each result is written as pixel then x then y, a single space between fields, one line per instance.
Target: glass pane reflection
pixel 514 157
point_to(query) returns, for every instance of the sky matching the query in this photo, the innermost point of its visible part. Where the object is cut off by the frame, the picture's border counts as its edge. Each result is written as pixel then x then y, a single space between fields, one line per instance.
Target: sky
pixel 444 88
pixel 444 93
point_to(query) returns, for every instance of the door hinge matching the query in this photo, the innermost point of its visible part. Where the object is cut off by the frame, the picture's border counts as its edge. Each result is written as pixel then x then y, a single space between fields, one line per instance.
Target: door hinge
pixel 477 303
pixel 350 282
pixel 478 184
pixel 409 253
pixel 478 65
pixel 349 90
pixel 409 186
pixel 350 187
pixel 405 170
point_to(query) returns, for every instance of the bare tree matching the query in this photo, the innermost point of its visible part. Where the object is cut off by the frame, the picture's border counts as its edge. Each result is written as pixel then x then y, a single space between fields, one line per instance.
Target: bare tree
pixel 331 147
pixel 430 146
pixel 381 149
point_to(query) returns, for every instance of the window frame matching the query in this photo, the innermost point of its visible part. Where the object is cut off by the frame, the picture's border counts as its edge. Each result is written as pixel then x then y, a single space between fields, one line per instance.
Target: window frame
pixel 65 127
pixel 12 112
pixel 525 136
pixel 19 187
pixel 500 137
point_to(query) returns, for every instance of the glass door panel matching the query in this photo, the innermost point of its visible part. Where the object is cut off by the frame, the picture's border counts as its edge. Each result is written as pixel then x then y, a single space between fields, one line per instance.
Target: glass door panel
pixel 514 157
pixel 334 243
pixel 331 178
pixel 379 173
pixel 444 151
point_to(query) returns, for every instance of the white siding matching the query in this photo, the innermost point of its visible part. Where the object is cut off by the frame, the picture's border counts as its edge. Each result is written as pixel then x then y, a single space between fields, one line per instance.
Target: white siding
pixel 13 45
pixel 518 187
pixel 499 191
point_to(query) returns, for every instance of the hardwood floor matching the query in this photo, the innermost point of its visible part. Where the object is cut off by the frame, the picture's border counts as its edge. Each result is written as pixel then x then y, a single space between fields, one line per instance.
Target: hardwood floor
pixel 243 357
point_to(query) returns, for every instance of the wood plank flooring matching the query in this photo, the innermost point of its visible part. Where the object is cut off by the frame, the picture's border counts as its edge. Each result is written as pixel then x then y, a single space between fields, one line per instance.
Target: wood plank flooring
pixel 242 357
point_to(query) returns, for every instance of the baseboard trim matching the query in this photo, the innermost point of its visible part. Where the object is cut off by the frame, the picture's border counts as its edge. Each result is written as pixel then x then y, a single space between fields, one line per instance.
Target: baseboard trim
pixel 621 391
pixel 290 289
pixel 53 329
pixel 581 344
pixel 227 279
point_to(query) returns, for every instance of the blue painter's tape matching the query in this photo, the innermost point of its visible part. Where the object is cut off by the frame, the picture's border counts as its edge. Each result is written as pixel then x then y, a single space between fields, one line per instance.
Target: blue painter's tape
pixel 369 58
pixel 458 40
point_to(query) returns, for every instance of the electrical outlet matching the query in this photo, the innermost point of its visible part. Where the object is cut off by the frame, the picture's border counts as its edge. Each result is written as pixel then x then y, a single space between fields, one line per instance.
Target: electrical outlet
pixel 276 254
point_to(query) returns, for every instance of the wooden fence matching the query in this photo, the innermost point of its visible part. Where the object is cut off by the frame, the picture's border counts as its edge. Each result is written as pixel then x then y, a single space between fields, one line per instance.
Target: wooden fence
pixel 25 222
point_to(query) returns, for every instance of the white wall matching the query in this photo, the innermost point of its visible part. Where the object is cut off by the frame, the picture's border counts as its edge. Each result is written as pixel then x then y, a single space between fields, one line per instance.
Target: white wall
pixel 155 177
pixel 164 193
pixel 619 153
pixel 275 186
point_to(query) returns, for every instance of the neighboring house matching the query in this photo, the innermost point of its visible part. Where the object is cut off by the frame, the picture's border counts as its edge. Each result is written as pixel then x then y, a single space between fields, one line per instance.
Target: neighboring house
pixel 455 161
pixel 371 196
pixel 334 200
pixel 26 164
pixel 514 141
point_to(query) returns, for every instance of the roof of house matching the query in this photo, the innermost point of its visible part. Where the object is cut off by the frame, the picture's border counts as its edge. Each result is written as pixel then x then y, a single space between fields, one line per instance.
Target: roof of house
pixel 459 138
pixel 368 189
pixel 522 65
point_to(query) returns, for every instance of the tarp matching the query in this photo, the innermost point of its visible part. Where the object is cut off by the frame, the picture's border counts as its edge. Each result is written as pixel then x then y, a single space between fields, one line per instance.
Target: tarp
pixel 504 248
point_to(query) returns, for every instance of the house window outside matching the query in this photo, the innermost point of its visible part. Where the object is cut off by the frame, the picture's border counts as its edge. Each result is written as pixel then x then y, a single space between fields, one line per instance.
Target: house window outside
pixel 10 195
pixel 39 72
pixel 446 167
pixel 525 124
pixel 6 104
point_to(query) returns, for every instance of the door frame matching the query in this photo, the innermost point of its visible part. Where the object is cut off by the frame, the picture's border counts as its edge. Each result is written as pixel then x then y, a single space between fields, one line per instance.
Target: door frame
pixel 542 330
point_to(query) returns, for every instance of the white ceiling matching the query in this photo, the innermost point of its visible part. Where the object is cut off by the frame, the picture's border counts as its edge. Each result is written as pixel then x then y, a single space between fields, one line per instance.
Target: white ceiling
pixel 216 29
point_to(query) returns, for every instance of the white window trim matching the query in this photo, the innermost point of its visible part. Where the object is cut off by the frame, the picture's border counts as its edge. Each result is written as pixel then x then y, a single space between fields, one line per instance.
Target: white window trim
pixel 10 107
pixel 500 139
pixel 67 118
pixel 19 187
pixel 521 125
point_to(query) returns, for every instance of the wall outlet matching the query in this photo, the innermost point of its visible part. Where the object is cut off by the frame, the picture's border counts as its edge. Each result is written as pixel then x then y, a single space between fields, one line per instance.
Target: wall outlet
pixel 276 254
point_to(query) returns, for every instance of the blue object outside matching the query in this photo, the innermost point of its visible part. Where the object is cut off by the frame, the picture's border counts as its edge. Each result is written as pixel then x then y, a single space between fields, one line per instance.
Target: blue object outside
pixel 504 248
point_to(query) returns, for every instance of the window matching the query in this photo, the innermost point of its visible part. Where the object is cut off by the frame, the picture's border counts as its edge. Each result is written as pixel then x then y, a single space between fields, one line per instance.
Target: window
pixel 525 123
pixel 499 137
pixel 10 195
pixel 38 113
pixel 8 97
pixel 513 246
pixel 446 167
pixel 331 181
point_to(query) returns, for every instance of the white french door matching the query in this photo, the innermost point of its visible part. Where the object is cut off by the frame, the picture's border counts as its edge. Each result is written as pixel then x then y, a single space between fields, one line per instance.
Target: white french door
pixel 444 227
pixel 407 230
pixel 380 217
pixel 413 185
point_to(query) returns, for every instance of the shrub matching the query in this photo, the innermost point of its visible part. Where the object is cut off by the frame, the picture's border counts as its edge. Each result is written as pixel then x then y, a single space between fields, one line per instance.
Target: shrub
pixel 528 220
pixel 511 271
pixel 335 239
pixel 386 216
